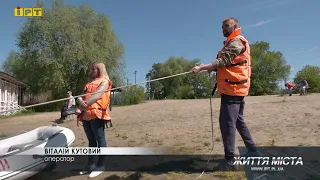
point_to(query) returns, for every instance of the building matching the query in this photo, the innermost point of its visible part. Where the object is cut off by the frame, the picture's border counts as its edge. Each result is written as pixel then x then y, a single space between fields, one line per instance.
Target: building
pixel 11 93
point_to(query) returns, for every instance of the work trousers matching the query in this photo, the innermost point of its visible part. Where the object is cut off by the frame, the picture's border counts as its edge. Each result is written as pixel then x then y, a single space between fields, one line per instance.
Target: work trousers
pixel 230 120
pixel 94 130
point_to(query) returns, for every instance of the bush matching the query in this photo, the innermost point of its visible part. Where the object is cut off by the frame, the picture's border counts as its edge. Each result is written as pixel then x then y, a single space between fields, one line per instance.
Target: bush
pixel 312 75
pixel 128 96
pixel 30 99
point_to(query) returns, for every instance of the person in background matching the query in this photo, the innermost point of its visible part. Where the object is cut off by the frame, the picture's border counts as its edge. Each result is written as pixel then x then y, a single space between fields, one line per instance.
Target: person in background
pixel 69 108
pixel 71 102
pixel 303 86
pixel 233 67
pixel 94 116
pixel 290 87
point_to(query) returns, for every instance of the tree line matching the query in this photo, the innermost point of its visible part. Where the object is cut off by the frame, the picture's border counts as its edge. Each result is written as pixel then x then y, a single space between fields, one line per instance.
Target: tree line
pixel 270 70
pixel 55 52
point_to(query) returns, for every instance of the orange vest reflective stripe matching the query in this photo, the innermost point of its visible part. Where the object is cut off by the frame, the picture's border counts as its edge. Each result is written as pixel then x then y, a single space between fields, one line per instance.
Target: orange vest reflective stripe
pixel 99 109
pixel 234 80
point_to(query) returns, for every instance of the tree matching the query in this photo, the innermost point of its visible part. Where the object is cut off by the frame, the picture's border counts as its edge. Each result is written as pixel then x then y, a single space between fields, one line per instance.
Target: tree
pixel 268 69
pixel 312 75
pixel 180 87
pixel 56 50
pixel 10 63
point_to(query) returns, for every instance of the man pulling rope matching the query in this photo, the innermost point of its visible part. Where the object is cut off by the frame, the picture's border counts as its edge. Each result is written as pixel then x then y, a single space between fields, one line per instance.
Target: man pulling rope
pixel 233 67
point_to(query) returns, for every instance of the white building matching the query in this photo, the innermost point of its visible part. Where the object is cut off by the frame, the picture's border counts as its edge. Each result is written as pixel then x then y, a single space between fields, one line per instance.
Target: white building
pixel 11 93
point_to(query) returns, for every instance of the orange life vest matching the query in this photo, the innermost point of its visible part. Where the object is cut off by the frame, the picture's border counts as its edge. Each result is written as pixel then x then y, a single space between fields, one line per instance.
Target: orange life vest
pixel 234 79
pixel 100 107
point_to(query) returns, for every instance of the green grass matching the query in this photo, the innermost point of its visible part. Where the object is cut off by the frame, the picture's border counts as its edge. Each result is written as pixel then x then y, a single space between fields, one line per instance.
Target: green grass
pixel 22 113
pixel 3 135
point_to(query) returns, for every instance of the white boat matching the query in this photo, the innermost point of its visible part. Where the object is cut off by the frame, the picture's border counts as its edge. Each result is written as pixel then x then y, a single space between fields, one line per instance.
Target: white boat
pixel 14 166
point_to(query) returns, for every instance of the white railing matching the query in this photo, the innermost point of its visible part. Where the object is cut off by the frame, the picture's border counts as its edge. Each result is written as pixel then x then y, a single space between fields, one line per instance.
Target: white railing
pixel 7 105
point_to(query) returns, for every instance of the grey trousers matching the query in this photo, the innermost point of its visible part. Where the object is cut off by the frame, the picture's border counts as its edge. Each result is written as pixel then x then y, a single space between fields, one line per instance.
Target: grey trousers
pixel 230 120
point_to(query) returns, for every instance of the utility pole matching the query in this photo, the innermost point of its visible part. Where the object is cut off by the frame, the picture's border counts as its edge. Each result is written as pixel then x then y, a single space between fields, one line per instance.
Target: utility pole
pixel 135 82
pixel 135 77
pixel 149 88
pixel 127 81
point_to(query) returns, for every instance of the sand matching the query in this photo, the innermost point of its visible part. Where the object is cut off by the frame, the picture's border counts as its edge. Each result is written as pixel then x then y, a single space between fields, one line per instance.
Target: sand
pixel 186 125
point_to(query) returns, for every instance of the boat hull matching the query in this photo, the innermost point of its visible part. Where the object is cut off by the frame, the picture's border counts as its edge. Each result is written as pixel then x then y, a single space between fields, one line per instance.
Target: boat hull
pixel 16 166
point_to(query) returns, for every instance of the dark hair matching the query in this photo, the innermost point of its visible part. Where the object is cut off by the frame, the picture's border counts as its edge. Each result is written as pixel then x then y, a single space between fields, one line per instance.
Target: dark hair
pixel 232 20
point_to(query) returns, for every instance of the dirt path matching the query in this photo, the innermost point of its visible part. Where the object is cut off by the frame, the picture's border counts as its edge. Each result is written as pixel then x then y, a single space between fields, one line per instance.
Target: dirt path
pixel 186 124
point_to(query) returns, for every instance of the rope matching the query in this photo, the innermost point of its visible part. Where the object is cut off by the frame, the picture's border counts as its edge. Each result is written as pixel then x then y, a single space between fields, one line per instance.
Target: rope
pixel 212 135
pixel 65 99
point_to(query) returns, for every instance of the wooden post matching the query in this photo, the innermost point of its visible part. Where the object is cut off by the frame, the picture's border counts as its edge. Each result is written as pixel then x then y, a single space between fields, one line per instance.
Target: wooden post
pixel 5 96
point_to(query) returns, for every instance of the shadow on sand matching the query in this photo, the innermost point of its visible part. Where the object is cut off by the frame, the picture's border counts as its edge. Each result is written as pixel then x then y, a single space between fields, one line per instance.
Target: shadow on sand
pixel 153 165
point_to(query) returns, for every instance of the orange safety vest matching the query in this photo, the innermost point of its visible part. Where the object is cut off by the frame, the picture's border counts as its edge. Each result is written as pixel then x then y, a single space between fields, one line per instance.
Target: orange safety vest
pixel 234 79
pixel 99 108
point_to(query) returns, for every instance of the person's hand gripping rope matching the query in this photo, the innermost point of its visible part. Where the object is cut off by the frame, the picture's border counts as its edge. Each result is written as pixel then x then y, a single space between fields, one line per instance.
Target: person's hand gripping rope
pixel 197 69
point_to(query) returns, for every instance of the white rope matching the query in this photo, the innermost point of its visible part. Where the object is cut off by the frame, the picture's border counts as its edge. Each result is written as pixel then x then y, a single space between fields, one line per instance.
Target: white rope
pixel 65 99
pixel 212 135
